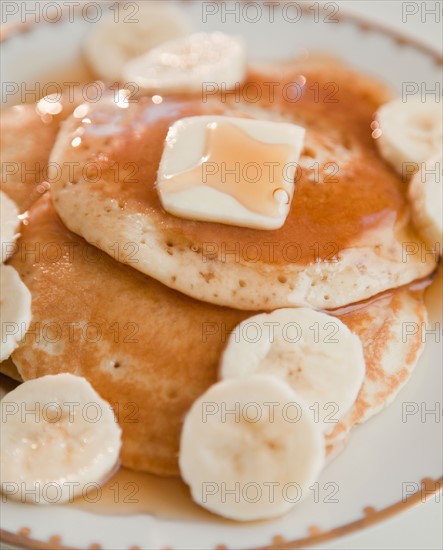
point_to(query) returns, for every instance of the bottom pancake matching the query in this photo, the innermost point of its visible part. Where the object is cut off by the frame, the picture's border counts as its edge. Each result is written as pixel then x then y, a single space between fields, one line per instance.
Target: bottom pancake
pixel 146 349
pixel 151 351
pixel 391 351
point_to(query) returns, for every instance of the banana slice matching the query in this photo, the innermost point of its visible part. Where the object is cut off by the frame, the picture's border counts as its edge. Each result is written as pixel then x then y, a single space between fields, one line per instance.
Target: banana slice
pixel 250 449
pixel 15 310
pixel 183 65
pixel 409 132
pixel 59 439
pixel 315 353
pixel 131 31
pixel 9 224
pixel 426 197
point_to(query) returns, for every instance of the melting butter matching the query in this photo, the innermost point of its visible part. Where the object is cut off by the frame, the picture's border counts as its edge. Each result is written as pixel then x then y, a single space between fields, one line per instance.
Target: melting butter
pixel 236 164
pixel 231 170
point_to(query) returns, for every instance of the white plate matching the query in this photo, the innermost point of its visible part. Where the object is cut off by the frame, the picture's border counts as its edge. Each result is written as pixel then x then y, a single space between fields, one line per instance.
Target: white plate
pixel 386 459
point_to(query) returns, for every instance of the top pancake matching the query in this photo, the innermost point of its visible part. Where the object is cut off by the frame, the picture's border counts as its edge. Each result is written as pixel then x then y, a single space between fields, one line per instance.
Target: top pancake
pixel 344 238
pixel 151 351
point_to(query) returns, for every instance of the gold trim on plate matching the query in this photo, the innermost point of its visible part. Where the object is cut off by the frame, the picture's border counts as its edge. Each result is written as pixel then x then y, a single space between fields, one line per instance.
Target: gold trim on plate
pixel 371 516
pixel 430 488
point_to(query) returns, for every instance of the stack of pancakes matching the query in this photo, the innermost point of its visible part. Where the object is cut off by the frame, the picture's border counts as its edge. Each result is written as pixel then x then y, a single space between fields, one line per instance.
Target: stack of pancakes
pixel 141 303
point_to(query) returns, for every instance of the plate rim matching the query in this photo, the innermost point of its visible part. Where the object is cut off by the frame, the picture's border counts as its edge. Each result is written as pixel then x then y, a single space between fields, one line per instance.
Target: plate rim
pixel 429 489
pixel 371 517
pixel 15 28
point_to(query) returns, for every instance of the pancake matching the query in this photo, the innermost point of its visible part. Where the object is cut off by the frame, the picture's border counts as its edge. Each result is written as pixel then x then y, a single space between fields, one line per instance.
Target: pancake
pixel 28 134
pixel 149 350
pixel 344 238
pixel 137 342
pixel 390 353
pixel 26 142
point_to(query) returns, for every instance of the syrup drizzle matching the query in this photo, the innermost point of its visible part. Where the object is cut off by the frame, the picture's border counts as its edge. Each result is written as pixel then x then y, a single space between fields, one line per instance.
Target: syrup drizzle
pixel 233 162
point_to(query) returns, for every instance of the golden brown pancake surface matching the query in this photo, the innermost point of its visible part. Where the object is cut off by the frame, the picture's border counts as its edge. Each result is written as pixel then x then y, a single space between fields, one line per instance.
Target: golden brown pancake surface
pixel 140 344
pixel 343 240
pixel 151 351
pixel 110 134
pixel 26 142
pixel 28 133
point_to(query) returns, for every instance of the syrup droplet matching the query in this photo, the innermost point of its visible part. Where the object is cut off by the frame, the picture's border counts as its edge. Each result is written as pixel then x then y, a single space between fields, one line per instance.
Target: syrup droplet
pixel 76 141
pixel 49 105
pixel 281 196
pixel 81 111
pixel 376 133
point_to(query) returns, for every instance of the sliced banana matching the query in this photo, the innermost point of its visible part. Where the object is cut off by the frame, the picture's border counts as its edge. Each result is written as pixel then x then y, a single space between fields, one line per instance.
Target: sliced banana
pixel 9 224
pixel 132 30
pixel 409 132
pixel 426 197
pixel 59 440
pixel 250 449
pixel 315 353
pixel 185 64
pixel 15 310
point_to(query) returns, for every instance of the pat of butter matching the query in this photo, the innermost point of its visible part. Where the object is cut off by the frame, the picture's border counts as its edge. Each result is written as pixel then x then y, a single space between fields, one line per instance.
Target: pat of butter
pixel 235 171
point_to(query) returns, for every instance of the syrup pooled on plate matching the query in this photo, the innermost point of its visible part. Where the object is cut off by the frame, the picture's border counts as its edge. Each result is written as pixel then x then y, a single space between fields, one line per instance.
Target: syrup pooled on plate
pixel 129 492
